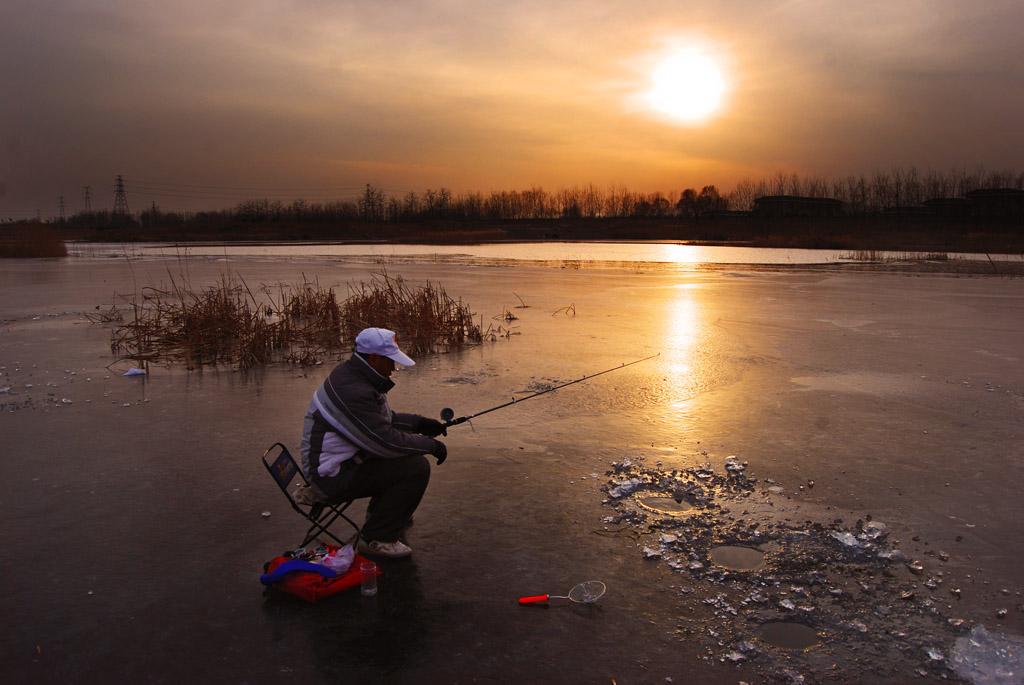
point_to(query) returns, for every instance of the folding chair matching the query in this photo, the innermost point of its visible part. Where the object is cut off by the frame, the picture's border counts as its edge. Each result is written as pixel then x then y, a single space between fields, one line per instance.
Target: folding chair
pixel 320 514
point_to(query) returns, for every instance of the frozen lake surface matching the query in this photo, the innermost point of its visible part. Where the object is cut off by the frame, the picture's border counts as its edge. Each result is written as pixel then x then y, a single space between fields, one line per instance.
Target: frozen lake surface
pixel 134 503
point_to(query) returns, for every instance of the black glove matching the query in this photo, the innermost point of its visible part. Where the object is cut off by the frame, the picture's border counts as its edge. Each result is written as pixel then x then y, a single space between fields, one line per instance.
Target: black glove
pixel 431 427
pixel 439 451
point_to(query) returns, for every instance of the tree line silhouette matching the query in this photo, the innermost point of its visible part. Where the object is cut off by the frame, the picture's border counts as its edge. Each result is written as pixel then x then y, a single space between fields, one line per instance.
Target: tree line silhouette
pixel 863 195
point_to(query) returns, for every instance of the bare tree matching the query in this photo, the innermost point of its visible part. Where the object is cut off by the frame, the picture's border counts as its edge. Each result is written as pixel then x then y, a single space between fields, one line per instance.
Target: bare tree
pixel 411 204
pixel 780 182
pixel 371 204
pixel 592 202
pixel 742 196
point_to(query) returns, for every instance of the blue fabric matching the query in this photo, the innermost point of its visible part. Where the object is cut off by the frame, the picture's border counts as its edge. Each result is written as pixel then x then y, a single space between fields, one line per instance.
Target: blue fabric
pixel 295 565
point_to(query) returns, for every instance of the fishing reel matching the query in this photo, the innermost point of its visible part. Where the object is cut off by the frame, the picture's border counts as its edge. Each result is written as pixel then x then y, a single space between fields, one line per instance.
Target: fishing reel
pixel 448 417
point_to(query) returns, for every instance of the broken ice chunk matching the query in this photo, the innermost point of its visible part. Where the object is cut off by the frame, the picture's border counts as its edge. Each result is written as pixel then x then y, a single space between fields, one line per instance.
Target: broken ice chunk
pixel 623 487
pixel 847 539
pixel 874 530
pixel 891 555
pixel 733 465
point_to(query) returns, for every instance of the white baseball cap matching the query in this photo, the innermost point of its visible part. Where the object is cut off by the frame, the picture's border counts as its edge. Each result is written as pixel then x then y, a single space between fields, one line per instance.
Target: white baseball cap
pixel 381 341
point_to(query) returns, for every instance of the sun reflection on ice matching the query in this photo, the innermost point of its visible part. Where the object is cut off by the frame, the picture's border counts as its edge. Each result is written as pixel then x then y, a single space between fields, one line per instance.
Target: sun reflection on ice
pixel 684 332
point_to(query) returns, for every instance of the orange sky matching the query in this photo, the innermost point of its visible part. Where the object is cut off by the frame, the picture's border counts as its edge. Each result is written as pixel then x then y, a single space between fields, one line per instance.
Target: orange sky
pixel 199 104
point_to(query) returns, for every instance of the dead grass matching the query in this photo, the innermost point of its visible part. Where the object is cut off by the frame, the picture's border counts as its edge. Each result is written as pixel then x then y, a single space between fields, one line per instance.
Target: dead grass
pixel 229 323
pixel 889 256
pixel 425 319
pixel 31 240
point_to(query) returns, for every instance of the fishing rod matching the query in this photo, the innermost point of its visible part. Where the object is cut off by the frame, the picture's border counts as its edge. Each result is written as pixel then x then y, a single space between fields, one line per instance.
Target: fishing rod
pixel 448 414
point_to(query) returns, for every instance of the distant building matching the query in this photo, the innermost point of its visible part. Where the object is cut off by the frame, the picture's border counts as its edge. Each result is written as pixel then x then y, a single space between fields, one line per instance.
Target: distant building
pixel 777 206
pixel 996 202
pixel 985 203
pixel 949 206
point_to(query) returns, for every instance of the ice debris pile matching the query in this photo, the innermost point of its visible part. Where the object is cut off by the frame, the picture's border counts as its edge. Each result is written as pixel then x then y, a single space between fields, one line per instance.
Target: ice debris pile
pixel 53 389
pixel 850 583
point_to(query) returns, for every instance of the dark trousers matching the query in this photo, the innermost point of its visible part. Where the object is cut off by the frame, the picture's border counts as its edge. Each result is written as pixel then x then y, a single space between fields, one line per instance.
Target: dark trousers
pixel 394 486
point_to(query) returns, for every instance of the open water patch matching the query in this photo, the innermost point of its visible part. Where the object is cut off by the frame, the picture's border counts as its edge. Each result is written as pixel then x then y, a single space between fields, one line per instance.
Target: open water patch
pixel 737 557
pixel 788 635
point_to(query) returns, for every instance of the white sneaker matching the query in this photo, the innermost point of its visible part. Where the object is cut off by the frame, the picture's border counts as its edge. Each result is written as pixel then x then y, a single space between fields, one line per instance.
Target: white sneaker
pixel 394 550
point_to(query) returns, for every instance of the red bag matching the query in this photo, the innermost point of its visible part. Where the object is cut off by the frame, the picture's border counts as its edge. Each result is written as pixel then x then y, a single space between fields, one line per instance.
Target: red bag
pixel 312 586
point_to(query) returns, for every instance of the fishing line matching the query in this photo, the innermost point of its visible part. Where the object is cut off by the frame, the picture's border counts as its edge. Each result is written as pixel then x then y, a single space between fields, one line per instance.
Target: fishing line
pixel 448 414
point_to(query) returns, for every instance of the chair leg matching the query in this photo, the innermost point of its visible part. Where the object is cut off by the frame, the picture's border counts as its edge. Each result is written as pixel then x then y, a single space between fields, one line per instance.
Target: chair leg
pixel 316 531
pixel 317 517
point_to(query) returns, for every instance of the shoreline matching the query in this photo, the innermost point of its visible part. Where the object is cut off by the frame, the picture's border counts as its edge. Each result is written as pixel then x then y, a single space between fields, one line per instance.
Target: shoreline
pixel 894 233
pixel 877 261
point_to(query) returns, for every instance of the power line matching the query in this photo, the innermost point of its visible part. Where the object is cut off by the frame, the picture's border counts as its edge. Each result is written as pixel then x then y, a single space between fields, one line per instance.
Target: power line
pixel 243 188
pixel 176 193
pixel 228 193
pixel 190 193
pixel 208 191
pixel 11 213
pixel 215 195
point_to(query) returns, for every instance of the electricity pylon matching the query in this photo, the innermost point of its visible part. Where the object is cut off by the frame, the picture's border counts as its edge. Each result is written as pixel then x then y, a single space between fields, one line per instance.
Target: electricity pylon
pixel 120 200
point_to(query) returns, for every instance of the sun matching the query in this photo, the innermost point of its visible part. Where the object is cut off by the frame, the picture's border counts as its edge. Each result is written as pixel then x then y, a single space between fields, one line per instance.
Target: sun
pixel 687 85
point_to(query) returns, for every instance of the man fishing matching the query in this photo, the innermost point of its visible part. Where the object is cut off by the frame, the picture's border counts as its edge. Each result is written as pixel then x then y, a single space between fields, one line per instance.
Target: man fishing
pixel 354 446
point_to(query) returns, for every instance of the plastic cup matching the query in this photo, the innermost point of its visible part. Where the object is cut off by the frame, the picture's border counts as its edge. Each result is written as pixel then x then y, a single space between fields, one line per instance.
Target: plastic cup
pixel 369 571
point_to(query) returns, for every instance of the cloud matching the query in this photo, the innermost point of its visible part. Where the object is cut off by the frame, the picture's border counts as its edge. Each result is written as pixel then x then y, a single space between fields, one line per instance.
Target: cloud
pixel 454 93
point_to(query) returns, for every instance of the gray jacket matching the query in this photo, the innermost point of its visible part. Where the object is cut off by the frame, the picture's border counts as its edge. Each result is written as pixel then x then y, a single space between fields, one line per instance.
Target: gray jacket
pixel 349 420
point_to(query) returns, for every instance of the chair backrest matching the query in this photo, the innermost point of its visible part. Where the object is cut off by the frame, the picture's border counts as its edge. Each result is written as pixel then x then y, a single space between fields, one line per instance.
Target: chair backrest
pixel 282 467
pixel 320 514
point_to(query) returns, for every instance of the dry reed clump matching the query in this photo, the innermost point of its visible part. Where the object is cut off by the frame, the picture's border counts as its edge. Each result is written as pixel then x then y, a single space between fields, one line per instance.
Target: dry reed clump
pixel 890 256
pixel 228 323
pixel 425 318
pixel 31 240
